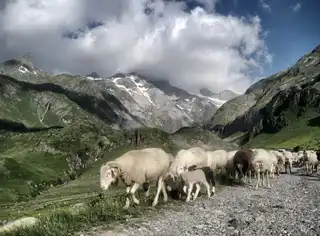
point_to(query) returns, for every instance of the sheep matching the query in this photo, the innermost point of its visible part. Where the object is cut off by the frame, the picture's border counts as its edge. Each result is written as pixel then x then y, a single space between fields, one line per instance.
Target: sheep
pixel 288 161
pixel 135 168
pixel 217 160
pixel 185 158
pixel 177 187
pixel 310 158
pixel 174 185
pixel 280 162
pixel 196 177
pixel 274 162
pixel 230 167
pixel 262 163
pixel 209 176
pixel 242 163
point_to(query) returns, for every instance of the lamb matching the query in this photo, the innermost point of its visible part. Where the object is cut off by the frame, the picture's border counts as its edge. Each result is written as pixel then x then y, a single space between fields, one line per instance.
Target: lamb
pixel 178 187
pixel 185 158
pixel 209 176
pixel 263 162
pixel 217 160
pixel 135 168
pixel 242 163
pixel 196 177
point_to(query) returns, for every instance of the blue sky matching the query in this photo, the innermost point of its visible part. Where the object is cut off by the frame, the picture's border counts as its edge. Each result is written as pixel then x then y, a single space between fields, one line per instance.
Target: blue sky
pixel 291 34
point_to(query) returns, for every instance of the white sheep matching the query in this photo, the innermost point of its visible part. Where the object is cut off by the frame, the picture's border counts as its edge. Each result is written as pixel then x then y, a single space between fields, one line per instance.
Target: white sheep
pixel 263 163
pixel 288 157
pixel 196 177
pixel 274 162
pixel 186 158
pixel 217 160
pixel 230 167
pixel 310 158
pixel 137 167
pixel 280 162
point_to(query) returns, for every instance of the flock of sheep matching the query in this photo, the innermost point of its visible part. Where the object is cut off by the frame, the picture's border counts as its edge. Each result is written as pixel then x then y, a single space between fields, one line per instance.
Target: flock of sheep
pixel 195 166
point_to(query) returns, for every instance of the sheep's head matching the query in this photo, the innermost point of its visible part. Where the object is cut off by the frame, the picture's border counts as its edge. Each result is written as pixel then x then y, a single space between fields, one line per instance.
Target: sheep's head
pixel 109 175
pixel 169 180
pixel 181 169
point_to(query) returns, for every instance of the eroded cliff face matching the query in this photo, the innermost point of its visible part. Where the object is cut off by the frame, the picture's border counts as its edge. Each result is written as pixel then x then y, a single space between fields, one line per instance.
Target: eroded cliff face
pixel 272 103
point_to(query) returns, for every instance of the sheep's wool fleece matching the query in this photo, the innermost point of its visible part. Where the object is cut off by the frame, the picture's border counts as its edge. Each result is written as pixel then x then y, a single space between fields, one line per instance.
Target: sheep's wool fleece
pixel 185 158
pixel 143 165
pixel 196 175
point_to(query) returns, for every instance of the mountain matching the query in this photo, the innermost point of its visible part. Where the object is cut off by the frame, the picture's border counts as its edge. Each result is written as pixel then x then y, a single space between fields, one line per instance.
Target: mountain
pixel 279 111
pixel 168 109
pixel 224 95
pixel 52 127
pixel 129 100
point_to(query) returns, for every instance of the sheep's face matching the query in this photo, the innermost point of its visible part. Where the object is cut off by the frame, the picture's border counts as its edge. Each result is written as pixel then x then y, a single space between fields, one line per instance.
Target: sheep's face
pixel 109 176
pixel 181 169
pixel 169 181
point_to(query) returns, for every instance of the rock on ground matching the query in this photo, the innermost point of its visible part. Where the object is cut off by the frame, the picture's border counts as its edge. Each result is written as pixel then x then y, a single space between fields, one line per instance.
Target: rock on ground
pixel 22 222
pixel 290 207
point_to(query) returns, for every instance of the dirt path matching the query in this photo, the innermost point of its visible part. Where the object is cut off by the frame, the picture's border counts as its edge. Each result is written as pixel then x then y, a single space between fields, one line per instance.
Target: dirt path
pixel 290 207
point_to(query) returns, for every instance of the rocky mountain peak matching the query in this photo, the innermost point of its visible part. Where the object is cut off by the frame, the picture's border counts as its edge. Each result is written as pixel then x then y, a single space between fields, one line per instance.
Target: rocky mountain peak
pixel 94 75
pixel 224 95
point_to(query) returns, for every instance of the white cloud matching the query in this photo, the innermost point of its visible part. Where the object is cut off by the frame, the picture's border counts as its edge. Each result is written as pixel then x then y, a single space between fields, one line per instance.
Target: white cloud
pixel 265 5
pixel 192 49
pixel 296 7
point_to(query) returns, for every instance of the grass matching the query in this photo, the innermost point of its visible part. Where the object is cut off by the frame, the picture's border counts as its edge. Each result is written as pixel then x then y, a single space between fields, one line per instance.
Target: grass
pixel 303 131
pixel 54 206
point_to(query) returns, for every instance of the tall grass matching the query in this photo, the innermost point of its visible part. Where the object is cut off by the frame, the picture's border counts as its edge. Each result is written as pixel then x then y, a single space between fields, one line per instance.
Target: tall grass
pixel 96 211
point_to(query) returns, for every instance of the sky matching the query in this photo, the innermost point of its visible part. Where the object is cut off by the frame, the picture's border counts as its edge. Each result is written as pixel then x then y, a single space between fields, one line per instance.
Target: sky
pixel 215 44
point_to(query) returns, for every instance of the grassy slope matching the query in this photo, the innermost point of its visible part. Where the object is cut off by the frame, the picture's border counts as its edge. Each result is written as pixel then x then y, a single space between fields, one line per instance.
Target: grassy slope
pixel 41 157
pixel 54 206
pixel 304 132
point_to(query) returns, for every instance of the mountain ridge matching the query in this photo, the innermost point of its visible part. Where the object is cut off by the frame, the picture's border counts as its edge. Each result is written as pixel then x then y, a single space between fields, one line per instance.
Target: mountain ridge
pixel 273 103
pixel 141 102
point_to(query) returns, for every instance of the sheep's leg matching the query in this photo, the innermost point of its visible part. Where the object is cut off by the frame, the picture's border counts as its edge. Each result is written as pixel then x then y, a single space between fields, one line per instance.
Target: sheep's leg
pixel 147 193
pixel 146 189
pixel 307 168
pixel 159 187
pixel 132 191
pixel 208 189
pixel 197 192
pixel 185 188
pixel 249 176
pixel 258 179
pixel 290 168
pixel 190 187
pixel 126 206
pixel 263 178
pixel 213 190
pixel 268 179
pixel 164 192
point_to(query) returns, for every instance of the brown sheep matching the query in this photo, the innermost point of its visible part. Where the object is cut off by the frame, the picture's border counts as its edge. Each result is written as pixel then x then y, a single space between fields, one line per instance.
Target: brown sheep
pixel 242 163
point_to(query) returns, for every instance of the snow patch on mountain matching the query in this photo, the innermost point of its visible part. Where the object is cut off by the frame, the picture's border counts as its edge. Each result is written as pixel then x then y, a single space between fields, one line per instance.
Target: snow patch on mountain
pixel 92 78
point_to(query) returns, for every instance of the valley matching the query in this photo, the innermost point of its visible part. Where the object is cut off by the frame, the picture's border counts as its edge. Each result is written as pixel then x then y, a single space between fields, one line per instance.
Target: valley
pixel 57 129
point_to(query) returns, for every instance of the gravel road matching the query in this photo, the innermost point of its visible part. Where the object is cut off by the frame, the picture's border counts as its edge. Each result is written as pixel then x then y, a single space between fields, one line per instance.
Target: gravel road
pixel 290 207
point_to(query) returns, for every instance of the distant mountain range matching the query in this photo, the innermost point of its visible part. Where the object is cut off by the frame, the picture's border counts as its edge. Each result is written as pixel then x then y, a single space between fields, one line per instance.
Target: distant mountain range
pixel 127 101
